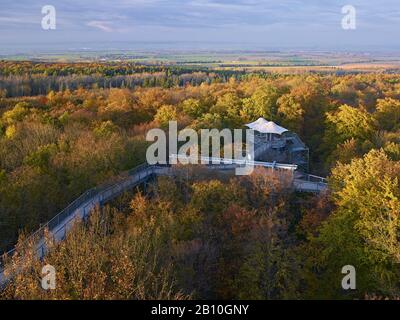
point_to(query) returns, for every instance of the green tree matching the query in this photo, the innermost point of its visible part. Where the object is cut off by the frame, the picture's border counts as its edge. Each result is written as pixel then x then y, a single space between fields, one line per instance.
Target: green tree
pixel 351 122
pixel 388 114
pixel 18 113
pixel 165 114
pixel 265 101
pixel 291 113
pixel 363 231
pixel 194 108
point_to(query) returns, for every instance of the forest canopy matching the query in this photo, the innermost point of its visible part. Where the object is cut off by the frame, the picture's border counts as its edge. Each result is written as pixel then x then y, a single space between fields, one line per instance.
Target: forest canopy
pixel 65 128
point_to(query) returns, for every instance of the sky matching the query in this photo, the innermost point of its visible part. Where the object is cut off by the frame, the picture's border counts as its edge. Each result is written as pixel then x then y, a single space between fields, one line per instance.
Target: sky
pixel 247 24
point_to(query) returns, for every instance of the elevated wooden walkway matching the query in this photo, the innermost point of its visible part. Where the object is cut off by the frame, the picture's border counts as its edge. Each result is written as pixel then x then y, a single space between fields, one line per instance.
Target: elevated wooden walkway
pixel 82 206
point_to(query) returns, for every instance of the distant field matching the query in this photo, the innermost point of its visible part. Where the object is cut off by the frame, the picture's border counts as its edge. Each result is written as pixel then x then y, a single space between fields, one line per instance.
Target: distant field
pixel 356 67
pixel 267 61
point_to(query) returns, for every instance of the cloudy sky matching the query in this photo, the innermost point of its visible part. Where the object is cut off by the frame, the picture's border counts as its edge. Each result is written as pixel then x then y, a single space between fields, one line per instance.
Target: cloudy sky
pixel 314 24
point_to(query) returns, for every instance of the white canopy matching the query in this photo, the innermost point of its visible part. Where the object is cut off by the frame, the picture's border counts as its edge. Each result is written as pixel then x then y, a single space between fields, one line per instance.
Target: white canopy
pixel 264 126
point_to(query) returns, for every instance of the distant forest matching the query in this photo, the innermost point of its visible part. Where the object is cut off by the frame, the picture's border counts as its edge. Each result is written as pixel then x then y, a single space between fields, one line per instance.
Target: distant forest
pixel 65 128
pixel 31 79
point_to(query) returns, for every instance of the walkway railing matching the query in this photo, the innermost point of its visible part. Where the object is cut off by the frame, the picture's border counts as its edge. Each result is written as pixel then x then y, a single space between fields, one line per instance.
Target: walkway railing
pixel 227 161
pixel 312 178
pixel 309 186
pixel 82 206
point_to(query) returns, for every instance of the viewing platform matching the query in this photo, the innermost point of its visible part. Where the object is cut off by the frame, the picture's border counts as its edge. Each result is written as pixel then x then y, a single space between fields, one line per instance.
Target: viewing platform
pixel 275 143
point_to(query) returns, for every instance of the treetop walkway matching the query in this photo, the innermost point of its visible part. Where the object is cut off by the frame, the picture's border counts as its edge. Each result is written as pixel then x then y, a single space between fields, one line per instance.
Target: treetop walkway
pixel 98 196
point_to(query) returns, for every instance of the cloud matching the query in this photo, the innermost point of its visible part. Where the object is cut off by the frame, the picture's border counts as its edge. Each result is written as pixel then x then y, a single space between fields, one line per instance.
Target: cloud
pixel 102 25
pixel 219 5
pixel 278 22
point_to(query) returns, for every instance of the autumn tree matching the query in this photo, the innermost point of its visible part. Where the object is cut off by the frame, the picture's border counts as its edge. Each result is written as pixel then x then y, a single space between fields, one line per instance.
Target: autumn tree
pixel 363 230
pixel 388 114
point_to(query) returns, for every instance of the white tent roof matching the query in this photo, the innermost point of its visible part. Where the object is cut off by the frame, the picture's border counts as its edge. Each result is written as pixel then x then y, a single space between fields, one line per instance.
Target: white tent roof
pixel 264 126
